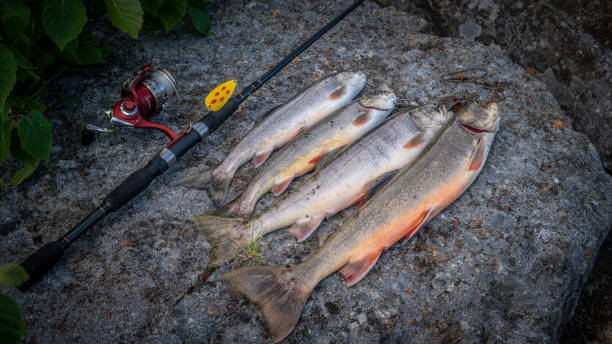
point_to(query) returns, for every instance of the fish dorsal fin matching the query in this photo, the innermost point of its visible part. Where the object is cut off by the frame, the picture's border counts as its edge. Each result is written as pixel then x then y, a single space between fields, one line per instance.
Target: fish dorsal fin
pixel 478 155
pixel 324 159
pixel 372 187
pixel 282 186
pixel 260 116
pixel 261 157
pixel 419 223
pixel 305 227
pixel 355 271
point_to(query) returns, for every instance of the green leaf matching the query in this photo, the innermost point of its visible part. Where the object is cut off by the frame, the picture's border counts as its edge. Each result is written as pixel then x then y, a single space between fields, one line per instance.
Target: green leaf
pixel 35 135
pixel 82 51
pixel 152 22
pixel 31 104
pixel 126 15
pixel 63 20
pixel 5 139
pixel 12 275
pixel 11 326
pixel 89 51
pixel 200 20
pixel 8 74
pixel 21 61
pixel 15 18
pixel 152 6
pixel 23 173
pixel 172 12
pixel 17 152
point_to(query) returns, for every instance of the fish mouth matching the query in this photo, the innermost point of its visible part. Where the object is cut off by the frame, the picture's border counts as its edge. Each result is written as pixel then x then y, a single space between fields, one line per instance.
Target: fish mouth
pixel 377 108
pixel 474 130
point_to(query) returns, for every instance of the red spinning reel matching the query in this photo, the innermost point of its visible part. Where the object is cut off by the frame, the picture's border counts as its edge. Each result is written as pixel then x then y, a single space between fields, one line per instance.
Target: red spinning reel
pixel 143 96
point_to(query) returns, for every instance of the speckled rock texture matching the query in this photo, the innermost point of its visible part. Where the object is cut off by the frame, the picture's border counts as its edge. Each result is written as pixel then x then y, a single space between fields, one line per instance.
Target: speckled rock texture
pixel 505 263
pixel 564 43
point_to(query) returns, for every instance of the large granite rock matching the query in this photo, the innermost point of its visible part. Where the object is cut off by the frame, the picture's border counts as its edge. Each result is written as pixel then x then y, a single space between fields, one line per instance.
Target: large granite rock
pixel 566 44
pixel 506 262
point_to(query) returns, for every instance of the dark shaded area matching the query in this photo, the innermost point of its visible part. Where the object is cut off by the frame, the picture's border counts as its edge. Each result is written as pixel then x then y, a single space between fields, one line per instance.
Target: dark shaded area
pixel 592 321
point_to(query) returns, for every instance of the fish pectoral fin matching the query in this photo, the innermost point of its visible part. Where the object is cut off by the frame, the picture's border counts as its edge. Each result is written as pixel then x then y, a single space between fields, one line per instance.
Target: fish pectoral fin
pixel 280 188
pixel 478 155
pixel 373 186
pixel 260 158
pixel 258 117
pixel 304 228
pixel 327 157
pixel 353 272
pixel 419 223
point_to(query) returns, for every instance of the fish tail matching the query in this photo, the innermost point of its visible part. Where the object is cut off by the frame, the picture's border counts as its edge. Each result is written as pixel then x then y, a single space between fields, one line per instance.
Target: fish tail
pixel 276 290
pixel 224 234
pixel 197 181
pixel 215 186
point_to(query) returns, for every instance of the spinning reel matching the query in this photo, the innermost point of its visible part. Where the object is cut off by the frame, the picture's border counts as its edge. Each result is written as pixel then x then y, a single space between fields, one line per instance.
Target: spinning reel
pixel 144 95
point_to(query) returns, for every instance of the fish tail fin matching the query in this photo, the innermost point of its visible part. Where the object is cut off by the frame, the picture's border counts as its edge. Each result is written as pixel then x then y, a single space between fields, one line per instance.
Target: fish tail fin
pixel 196 181
pixel 215 186
pixel 224 234
pixel 276 290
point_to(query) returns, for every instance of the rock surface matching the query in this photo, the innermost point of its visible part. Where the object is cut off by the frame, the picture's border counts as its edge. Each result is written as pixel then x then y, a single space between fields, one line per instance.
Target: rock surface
pixel 566 44
pixel 506 262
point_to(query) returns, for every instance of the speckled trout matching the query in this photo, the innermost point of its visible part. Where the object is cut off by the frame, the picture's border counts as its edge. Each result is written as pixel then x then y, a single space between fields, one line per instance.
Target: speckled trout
pixel 412 198
pixel 338 130
pixel 280 126
pixel 351 177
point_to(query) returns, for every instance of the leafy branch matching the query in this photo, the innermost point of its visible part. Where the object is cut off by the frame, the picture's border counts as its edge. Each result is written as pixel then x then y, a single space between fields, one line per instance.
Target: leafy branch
pixel 40 38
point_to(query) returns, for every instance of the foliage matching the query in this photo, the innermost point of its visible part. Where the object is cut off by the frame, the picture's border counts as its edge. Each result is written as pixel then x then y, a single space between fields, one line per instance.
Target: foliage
pixel 40 39
pixel 11 324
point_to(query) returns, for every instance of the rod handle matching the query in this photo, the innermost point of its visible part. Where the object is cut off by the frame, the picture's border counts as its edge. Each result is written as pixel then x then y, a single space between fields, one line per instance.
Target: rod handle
pixel 40 262
pixel 214 119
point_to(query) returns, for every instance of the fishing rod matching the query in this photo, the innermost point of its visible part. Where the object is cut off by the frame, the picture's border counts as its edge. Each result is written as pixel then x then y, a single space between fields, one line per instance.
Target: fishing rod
pixel 143 95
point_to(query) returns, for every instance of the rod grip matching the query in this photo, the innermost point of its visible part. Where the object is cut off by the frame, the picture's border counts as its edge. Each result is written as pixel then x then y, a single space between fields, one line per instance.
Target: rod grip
pixel 214 119
pixel 40 262
pixel 135 183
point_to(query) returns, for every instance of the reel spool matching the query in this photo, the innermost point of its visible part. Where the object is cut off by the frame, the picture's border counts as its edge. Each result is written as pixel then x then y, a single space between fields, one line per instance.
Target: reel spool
pixel 144 95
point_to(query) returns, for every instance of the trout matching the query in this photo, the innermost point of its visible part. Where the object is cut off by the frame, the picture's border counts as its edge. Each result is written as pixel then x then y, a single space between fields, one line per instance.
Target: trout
pixel 351 177
pixel 399 210
pixel 338 130
pixel 280 126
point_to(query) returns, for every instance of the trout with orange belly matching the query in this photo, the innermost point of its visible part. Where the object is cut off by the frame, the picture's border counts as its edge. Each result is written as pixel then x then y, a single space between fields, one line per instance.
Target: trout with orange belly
pixel 399 210
pixel 353 176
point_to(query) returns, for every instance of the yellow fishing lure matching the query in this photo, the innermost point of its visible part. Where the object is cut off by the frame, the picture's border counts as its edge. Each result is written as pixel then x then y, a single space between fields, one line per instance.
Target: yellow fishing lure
pixel 218 97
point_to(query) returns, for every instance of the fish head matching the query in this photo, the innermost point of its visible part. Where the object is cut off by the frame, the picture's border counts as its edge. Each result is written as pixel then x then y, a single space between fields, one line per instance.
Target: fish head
pixel 353 82
pixel 383 99
pixel 479 119
pixel 430 116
